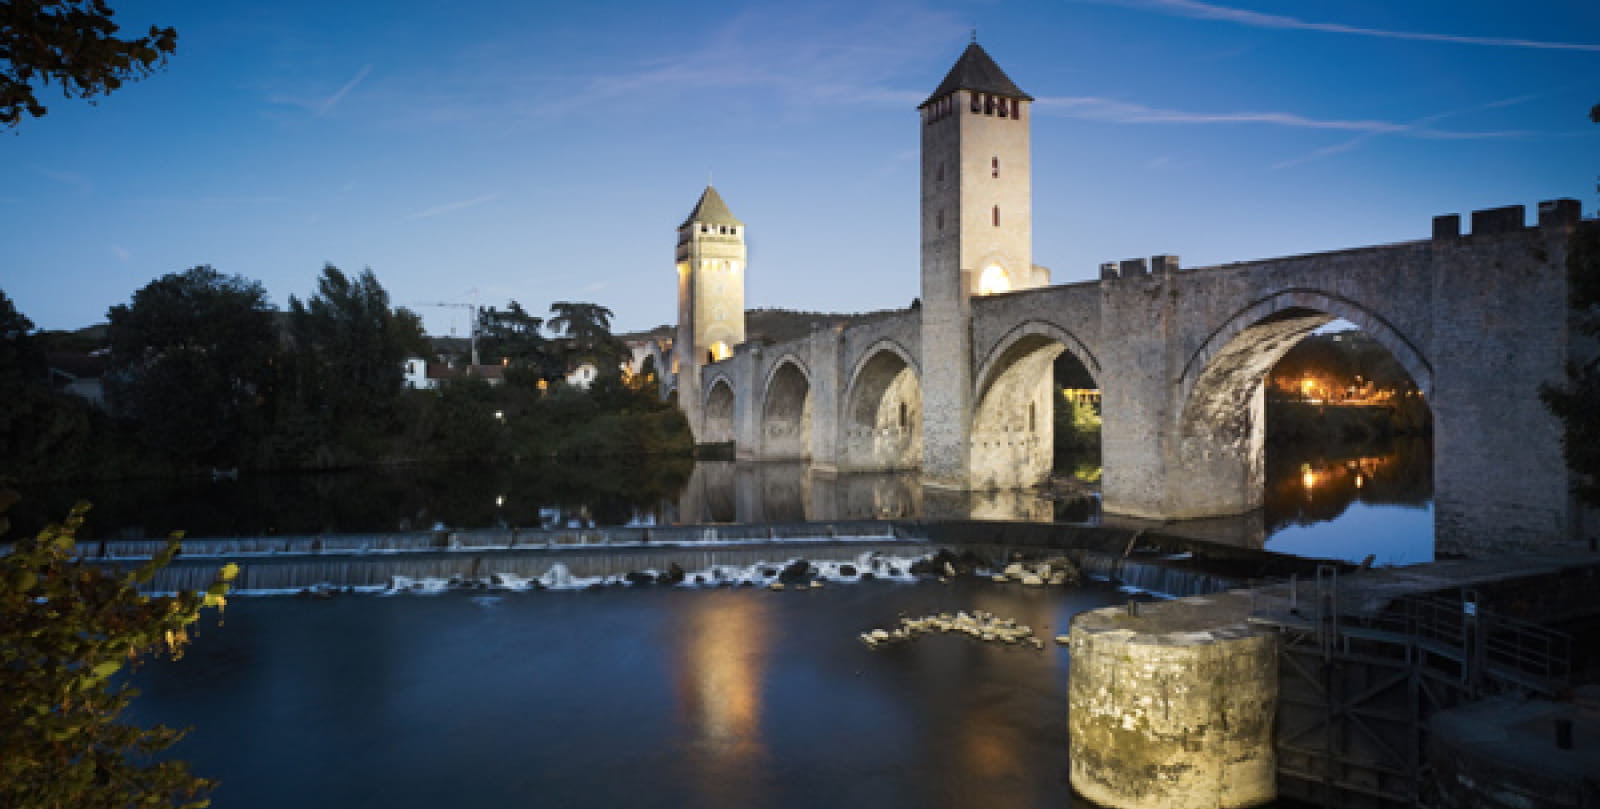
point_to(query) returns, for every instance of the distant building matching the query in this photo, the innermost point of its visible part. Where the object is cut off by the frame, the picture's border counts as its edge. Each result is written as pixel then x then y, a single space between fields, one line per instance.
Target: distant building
pixel 423 375
pixel 78 374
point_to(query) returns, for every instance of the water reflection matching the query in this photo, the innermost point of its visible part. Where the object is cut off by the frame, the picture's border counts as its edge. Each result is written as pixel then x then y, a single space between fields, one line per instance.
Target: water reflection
pixel 722 647
pixel 1306 487
pixel 1318 486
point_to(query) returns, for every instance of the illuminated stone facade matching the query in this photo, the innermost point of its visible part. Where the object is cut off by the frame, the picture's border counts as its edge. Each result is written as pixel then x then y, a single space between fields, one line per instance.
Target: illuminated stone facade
pixel 959 386
pixel 710 260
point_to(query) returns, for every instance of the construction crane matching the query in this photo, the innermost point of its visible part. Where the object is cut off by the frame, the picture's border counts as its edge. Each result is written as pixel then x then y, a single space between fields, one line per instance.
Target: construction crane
pixel 472 311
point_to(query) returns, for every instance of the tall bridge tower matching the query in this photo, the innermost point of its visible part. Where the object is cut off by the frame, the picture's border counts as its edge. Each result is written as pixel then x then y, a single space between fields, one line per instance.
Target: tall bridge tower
pixel 711 267
pixel 977 239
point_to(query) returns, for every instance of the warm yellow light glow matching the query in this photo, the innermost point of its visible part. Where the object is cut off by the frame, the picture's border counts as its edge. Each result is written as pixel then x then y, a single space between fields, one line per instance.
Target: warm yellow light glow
pixel 1308 478
pixel 683 268
pixel 993 279
pixel 1358 481
pixel 720 351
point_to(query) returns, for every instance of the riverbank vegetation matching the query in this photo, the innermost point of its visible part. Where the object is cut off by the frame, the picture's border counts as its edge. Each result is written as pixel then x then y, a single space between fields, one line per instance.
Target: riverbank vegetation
pixel 203 375
pixel 67 630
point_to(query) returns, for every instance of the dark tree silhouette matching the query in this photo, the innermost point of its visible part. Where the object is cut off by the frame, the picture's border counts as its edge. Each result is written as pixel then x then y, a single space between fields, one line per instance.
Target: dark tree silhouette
pixel 1578 402
pixel 190 359
pixel 587 328
pixel 72 43
pixel 346 369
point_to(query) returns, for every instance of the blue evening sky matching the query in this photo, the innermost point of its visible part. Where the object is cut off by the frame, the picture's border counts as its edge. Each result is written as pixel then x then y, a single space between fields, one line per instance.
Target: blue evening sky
pixel 547 151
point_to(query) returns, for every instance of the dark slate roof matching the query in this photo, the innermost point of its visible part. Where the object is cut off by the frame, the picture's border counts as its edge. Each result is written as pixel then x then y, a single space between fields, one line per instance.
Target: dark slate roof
pixel 977 72
pixel 711 210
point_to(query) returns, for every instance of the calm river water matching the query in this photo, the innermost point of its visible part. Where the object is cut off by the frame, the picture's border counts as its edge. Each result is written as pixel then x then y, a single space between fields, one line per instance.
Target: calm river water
pixel 657 696
pixel 1342 502
pixel 636 697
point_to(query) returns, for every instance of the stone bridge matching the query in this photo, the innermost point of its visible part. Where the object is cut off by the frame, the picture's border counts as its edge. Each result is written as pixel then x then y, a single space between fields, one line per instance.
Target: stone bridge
pixel 1180 354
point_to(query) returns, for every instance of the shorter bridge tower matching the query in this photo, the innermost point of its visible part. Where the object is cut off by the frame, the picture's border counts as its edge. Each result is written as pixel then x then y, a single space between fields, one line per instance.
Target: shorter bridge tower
pixel 711 266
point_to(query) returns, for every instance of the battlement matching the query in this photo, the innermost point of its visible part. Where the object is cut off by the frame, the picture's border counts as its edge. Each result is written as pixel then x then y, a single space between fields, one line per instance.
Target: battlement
pixel 1553 213
pixel 1163 264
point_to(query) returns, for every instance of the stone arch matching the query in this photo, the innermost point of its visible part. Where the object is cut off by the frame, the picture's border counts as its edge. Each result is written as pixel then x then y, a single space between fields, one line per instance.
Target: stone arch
pixel 1221 426
pixel 786 411
pixel 717 414
pixel 1320 303
pixel 1012 440
pixel 1024 338
pixel 882 424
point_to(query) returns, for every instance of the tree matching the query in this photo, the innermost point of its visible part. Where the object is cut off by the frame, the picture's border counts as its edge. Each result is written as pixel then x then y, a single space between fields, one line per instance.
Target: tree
pixel 72 43
pixel 190 361
pixel 513 337
pixel 347 368
pixel 1578 403
pixel 65 629
pixel 587 327
pixel 20 357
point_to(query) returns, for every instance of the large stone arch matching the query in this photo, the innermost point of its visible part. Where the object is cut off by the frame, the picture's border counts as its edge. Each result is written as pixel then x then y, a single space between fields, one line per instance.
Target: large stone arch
pixel 1290 304
pixel 1012 439
pixel 786 405
pixel 1221 422
pixel 882 419
pixel 717 413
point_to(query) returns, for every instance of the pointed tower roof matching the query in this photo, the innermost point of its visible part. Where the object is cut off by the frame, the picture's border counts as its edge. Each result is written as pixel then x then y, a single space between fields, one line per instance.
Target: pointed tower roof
pixel 711 210
pixel 977 72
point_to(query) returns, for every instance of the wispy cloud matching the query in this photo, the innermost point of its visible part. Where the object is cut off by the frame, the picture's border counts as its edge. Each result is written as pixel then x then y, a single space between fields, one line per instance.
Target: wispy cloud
pixel 321 105
pixel 1424 122
pixel 1128 112
pixel 808 55
pixel 69 178
pixel 453 206
pixel 121 252
pixel 1256 19
pixel 333 101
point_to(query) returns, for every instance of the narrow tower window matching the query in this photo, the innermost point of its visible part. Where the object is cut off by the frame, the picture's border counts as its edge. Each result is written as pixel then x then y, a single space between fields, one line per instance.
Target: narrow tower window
pixel 903 414
pixel 1030 417
pixel 977 104
pixel 939 175
pixel 994 167
pixel 1016 110
pixel 997 216
pixel 940 218
pixel 988 105
pixel 1002 106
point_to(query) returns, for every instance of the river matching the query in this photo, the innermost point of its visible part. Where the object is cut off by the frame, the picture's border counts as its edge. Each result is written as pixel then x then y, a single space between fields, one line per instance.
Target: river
pixel 1340 502
pixel 655 696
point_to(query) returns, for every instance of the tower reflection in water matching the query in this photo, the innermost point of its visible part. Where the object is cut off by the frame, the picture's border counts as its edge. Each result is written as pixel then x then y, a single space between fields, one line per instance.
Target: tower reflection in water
pixel 723 649
pixel 728 492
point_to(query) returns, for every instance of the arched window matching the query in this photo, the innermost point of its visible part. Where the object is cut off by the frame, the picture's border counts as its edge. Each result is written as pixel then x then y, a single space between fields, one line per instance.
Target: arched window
pixel 997 216
pixel 994 167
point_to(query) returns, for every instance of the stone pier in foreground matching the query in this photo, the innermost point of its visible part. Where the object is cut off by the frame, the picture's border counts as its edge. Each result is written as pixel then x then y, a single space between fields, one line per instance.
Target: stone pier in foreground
pixel 1172 706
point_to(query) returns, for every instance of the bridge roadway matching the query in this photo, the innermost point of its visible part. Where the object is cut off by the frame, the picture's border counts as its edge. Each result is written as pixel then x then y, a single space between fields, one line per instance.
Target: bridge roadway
pixel 1478 320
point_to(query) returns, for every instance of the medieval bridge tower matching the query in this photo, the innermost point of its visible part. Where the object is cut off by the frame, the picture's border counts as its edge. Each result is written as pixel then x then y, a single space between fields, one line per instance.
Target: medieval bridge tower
pixel 977 239
pixel 711 266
